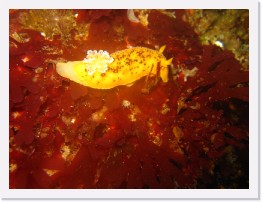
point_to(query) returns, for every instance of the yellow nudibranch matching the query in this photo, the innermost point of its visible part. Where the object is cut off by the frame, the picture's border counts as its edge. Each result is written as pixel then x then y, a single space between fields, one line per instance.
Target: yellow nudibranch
pixel 103 71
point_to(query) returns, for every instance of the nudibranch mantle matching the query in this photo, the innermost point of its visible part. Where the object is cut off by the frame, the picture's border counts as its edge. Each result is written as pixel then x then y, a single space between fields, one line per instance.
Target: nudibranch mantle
pixel 103 71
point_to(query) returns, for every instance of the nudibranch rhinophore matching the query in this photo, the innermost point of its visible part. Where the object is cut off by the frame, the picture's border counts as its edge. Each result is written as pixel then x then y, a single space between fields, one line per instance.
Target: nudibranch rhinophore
pixel 103 71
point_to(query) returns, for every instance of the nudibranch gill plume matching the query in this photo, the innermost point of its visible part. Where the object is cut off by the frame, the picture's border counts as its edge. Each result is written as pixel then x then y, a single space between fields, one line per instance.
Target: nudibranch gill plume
pixel 103 71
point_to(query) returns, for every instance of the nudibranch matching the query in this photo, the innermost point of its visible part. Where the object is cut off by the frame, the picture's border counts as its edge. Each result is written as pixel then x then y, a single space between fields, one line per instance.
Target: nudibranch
pixel 103 71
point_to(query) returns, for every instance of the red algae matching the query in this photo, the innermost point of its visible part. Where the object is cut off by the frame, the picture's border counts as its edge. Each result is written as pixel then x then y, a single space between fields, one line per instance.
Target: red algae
pixel 189 133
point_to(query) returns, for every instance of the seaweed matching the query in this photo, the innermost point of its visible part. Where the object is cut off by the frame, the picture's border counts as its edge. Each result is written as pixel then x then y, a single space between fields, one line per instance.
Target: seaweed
pixel 189 133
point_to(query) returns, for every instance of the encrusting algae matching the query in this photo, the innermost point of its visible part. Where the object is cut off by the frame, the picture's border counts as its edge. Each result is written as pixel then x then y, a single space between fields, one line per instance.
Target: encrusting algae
pixel 103 71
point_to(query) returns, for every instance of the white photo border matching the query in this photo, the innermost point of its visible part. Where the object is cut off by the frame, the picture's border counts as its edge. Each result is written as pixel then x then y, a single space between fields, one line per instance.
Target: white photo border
pixel 254 164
